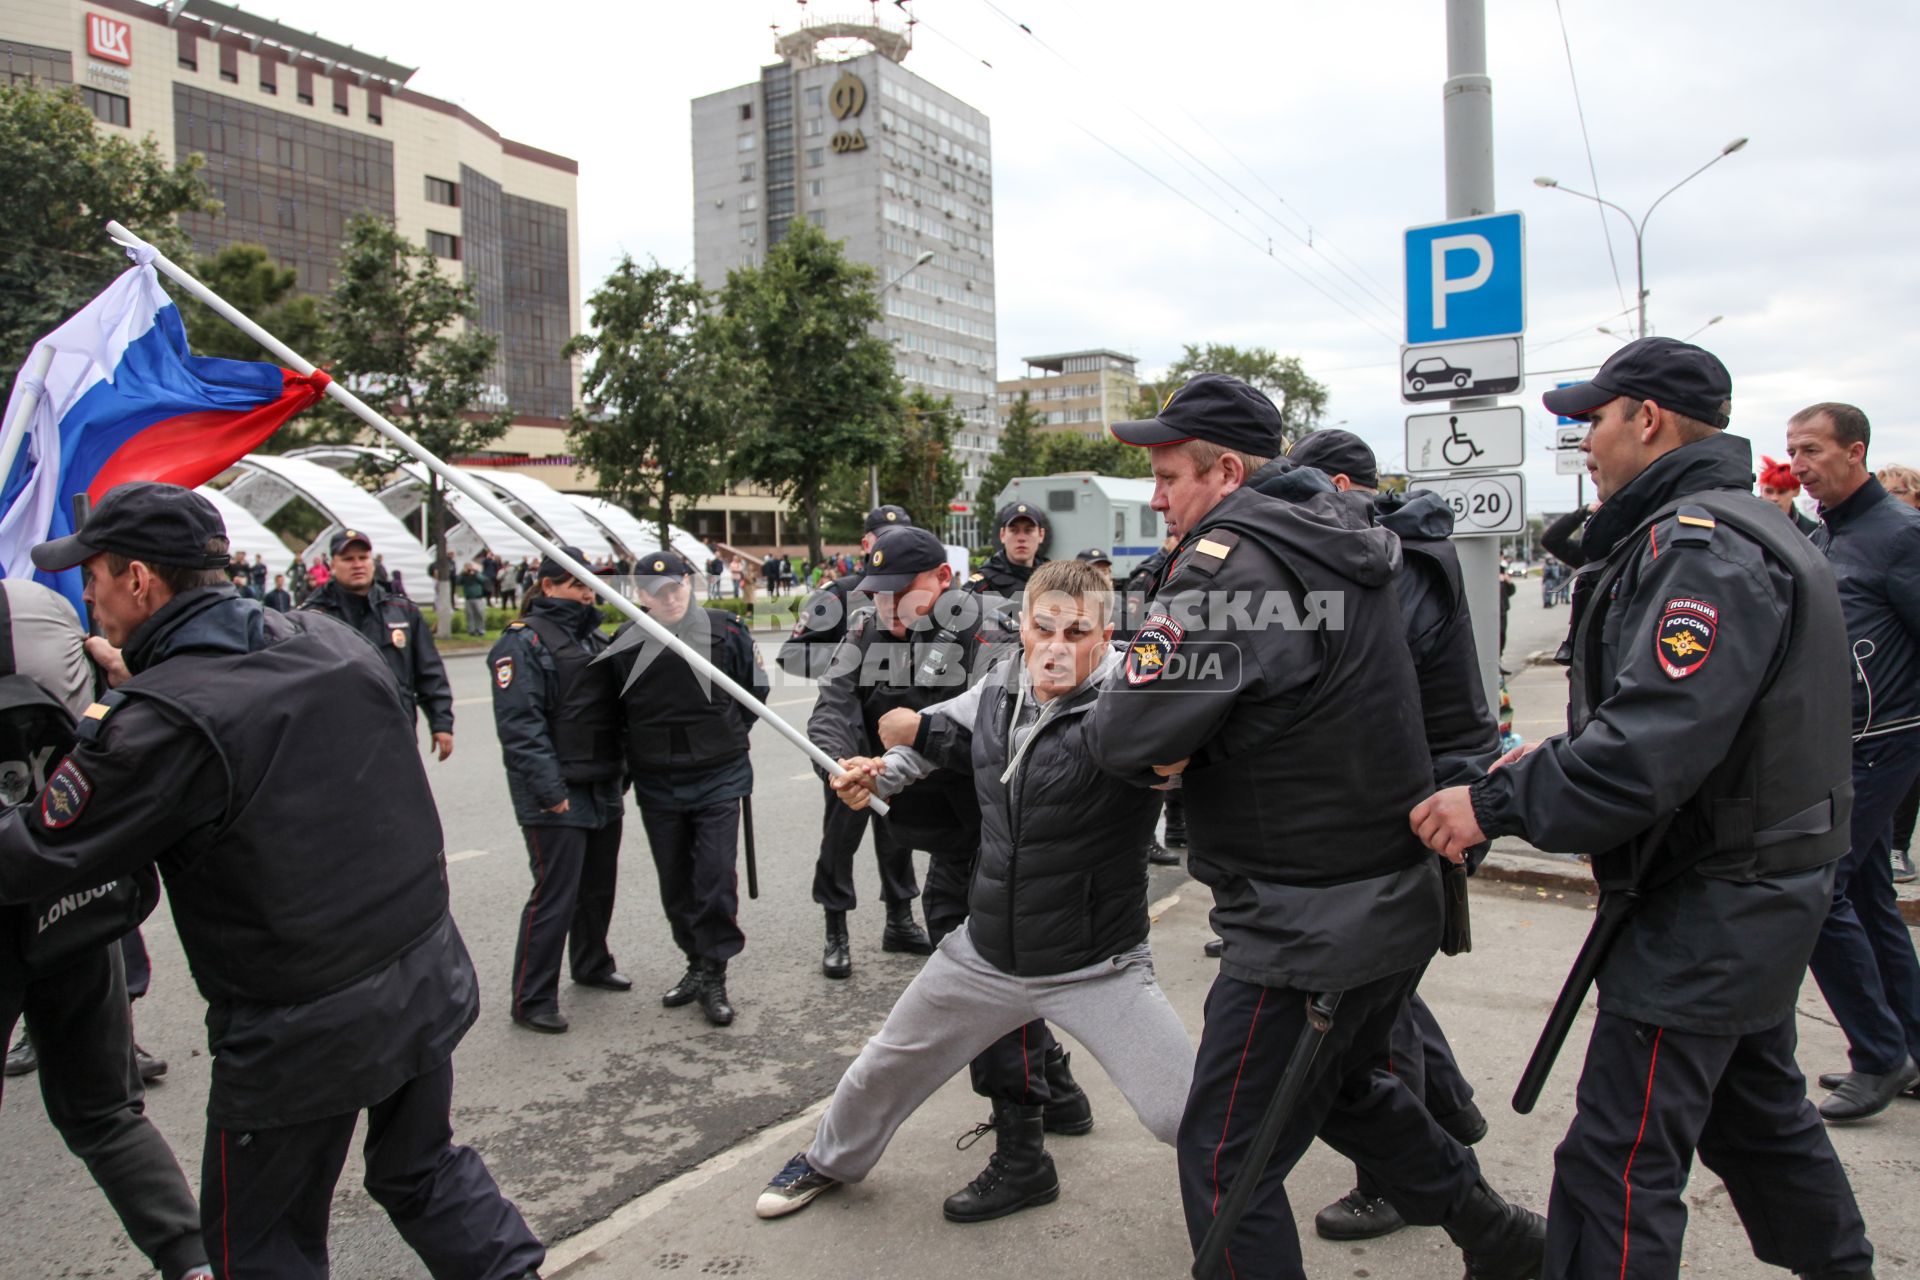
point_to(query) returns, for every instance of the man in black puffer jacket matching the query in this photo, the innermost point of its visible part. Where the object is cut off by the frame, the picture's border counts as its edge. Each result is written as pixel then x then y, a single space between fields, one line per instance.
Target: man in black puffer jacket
pixel 1057 921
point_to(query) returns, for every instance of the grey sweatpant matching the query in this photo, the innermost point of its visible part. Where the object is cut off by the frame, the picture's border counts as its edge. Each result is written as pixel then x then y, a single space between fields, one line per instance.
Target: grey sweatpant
pixel 960 1004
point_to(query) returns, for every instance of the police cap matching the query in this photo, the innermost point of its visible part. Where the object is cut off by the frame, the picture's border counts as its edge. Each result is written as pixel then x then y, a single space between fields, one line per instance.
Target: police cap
pixel 1338 453
pixel 1213 407
pixel 142 520
pixel 659 568
pixel 1020 511
pixel 899 556
pixel 346 538
pixel 885 517
pixel 1673 374
pixel 1095 555
pixel 552 569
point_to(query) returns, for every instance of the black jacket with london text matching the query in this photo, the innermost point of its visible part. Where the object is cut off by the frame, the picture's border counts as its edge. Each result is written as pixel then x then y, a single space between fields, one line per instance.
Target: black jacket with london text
pixel 1873 542
pixel 1275 661
pixel 1708 683
pixel 266 763
pixel 394 625
pixel 557 714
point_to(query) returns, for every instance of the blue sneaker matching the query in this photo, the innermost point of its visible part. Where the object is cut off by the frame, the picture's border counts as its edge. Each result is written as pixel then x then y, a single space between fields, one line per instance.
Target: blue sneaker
pixel 792 1189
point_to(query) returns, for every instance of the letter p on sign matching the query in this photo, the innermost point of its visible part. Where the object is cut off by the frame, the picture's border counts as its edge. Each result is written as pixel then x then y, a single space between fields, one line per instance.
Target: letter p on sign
pixel 1466 279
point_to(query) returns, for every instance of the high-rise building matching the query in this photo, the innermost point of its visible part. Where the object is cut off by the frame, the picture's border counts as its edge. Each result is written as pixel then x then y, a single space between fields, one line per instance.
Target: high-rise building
pixel 897 168
pixel 1084 392
pixel 300 132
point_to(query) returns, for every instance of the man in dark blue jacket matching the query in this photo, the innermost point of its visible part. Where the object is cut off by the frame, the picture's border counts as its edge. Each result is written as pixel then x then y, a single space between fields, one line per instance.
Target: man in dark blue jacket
pixel 1865 961
pixel 558 717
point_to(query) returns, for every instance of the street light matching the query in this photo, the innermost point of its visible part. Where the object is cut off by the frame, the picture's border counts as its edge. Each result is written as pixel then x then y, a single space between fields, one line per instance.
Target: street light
pixel 1703 328
pixel 873 468
pixel 1640 227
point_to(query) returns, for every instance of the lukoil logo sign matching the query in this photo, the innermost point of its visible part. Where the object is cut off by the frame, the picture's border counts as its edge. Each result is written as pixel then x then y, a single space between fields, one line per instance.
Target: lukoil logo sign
pixel 110 39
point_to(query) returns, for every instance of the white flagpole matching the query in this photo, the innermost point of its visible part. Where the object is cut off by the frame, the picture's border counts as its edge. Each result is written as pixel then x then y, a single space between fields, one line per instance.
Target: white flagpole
pixel 145 252
pixel 33 379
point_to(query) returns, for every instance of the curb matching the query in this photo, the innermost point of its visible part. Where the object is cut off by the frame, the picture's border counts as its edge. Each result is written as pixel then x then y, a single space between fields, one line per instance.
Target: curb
pixel 1541 871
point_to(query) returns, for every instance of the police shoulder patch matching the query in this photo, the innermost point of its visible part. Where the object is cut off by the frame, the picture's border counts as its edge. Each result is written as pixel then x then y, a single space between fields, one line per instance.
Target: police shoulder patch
pixel 1685 635
pixel 1152 648
pixel 65 796
pixel 503 672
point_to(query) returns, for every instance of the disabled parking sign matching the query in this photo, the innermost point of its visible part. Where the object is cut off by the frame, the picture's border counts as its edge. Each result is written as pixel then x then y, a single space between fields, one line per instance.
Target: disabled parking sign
pixel 1466 279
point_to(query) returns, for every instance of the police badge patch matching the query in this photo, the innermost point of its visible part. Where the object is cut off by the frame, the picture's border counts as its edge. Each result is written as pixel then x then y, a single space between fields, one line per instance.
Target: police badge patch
pixel 503 672
pixel 399 637
pixel 1685 635
pixel 66 796
pixel 1152 647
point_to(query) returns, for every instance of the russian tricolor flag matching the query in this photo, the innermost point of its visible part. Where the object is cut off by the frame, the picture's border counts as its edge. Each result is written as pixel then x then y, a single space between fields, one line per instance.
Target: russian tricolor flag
pixel 125 399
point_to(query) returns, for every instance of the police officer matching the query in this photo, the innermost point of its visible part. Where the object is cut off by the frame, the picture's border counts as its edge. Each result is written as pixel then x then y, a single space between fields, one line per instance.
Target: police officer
pixel 1023 531
pixel 923 641
pixel 1705 767
pixel 395 626
pixel 1461 737
pixel 61 964
pixel 1272 675
pixel 687 755
pixel 558 718
pixel 318 932
pixel 807 652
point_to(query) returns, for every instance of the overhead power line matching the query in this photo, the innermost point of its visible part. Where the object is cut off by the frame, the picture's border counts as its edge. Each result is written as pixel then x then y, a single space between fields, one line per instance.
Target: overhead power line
pixel 1593 173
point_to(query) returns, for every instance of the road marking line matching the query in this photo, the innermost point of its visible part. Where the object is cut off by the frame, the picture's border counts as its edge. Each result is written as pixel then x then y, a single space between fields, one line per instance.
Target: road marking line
pixel 467 855
pixel 637 1210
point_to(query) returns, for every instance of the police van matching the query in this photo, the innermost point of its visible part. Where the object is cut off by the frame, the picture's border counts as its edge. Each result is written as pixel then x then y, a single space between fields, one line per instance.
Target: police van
pixel 1088 510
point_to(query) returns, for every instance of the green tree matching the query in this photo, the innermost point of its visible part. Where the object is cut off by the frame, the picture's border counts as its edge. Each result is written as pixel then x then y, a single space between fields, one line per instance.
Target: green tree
pixel 823 393
pixel 1017 455
pixel 404 337
pixel 248 277
pixel 1063 451
pixel 61 180
pixel 1305 400
pixel 658 407
pixel 920 471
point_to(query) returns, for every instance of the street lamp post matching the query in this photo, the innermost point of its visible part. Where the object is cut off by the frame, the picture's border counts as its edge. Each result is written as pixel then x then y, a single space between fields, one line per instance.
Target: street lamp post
pixel 873 468
pixel 1640 227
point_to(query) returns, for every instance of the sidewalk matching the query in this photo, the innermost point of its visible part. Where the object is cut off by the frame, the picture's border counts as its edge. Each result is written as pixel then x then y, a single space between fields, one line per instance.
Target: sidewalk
pixel 1118 1216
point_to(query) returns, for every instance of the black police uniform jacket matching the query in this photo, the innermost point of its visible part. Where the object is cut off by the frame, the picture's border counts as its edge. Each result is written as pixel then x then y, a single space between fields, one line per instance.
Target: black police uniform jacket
pixel 822 625
pixel 873 672
pixel 1061 881
pixel 266 763
pixel 1275 660
pixel 396 627
pixel 557 714
pixel 1003 577
pixel 1708 681
pixel 1872 541
pixel 686 738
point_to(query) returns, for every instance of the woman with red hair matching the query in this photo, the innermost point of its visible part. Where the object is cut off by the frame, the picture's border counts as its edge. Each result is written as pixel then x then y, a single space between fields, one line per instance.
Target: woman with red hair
pixel 1778 486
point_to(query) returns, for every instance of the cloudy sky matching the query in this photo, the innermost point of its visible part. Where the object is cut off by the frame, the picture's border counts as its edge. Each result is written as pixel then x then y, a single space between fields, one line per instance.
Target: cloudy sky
pixel 1146 155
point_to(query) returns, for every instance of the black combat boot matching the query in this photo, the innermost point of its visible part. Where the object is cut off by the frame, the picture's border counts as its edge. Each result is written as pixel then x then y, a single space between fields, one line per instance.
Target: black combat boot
pixel 1500 1241
pixel 1019 1173
pixel 903 934
pixel 713 993
pixel 1068 1109
pixel 837 960
pixel 685 991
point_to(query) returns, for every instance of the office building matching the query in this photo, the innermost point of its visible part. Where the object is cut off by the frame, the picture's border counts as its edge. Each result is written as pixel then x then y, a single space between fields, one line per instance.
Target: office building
pixel 1078 391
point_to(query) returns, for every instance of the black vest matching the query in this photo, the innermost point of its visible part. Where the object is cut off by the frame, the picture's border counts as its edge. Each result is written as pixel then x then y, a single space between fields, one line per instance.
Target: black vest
pixel 675 718
pixel 1766 809
pixel 584 721
pixel 1273 798
pixel 327 862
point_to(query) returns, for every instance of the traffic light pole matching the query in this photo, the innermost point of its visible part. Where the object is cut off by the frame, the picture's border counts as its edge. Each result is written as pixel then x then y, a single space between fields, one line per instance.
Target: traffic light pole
pixel 1467 99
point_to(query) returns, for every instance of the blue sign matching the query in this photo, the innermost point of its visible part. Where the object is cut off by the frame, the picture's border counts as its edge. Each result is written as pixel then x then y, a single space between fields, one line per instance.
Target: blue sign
pixel 1565 421
pixel 1466 279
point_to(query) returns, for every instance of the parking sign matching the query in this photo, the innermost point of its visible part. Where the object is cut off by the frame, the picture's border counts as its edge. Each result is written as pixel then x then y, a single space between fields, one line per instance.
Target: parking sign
pixel 1466 279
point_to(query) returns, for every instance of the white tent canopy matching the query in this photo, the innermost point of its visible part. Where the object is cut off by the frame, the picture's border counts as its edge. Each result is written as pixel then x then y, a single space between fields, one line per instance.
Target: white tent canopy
pixel 244 533
pixel 269 481
pixel 568 522
pixel 639 536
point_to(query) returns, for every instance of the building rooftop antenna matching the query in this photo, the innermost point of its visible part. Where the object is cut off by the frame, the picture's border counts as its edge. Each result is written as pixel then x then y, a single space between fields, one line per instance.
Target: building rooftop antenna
pixel 886 37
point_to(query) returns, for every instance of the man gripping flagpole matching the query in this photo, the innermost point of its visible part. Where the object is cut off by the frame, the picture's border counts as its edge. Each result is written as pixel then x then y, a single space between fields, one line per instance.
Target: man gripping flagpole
pixel 146 255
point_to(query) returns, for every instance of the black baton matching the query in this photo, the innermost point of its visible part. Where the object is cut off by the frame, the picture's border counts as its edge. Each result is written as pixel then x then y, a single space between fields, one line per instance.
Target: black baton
pixel 746 825
pixel 1213 1248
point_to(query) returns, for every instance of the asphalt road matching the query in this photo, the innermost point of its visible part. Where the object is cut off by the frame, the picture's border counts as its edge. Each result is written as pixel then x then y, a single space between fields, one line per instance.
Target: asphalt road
pixel 572 1126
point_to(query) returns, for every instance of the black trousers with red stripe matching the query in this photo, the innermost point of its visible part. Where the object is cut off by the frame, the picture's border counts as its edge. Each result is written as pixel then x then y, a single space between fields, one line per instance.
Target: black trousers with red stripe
pixel 266 1195
pixel 1367 1115
pixel 1648 1100
pixel 575 871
